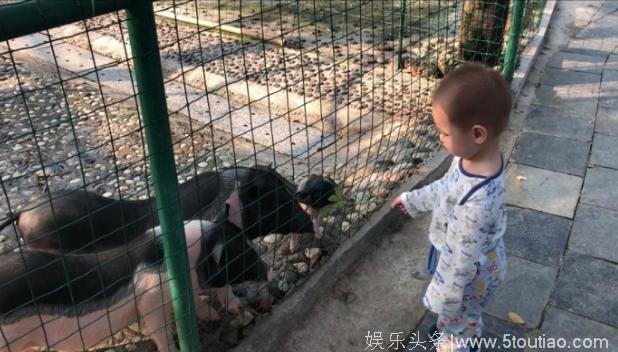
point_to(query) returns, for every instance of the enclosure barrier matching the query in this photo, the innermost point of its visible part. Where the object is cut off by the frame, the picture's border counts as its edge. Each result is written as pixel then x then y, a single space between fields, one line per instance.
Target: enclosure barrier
pixel 337 88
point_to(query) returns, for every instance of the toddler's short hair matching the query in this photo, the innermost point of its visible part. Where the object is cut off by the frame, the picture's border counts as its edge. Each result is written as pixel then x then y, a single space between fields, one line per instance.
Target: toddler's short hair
pixel 475 94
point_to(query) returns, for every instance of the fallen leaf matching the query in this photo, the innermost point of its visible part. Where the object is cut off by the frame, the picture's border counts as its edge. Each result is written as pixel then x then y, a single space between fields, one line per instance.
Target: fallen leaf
pixel 515 318
pixel 521 178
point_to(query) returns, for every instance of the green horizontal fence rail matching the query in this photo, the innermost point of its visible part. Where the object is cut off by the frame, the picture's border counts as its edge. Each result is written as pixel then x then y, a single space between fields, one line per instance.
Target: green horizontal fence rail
pixel 31 16
pixel 364 69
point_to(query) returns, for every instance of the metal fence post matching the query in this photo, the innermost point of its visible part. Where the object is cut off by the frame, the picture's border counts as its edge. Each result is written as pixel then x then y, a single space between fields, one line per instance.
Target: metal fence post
pixel 402 5
pixel 151 93
pixel 510 57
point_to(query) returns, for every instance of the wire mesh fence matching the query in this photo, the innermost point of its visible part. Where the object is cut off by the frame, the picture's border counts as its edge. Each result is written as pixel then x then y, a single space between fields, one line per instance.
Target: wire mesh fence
pixel 290 123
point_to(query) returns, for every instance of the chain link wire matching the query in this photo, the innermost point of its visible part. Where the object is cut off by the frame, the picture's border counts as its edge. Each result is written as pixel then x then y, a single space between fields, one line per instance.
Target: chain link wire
pixel 336 88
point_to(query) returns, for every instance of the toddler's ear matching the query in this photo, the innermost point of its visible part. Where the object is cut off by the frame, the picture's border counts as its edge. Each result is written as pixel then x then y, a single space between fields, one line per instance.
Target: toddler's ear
pixel 479 133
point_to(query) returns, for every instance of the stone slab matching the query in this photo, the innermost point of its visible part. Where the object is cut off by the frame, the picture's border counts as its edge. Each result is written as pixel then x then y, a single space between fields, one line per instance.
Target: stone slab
pixel 612 62
pixel 551 121
pixel 587 286
pixel 577 62
pixel 543 190
pixel 590 46
pixel 558 77
pixel 607 121
pixel 600 188
pixel 593 48
pixel 538 281
pixel 559 323
pixel 536 236
pixel 594 232
pixel 602 28
pixel 552 153
pixel 497 329
pixel 577 101
pixel 609 89
pixel 604 151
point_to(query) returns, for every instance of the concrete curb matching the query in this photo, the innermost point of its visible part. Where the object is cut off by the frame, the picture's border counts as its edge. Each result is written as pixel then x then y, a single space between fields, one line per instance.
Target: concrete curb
pixel 528 57
pixel 527 60
pixel 268 335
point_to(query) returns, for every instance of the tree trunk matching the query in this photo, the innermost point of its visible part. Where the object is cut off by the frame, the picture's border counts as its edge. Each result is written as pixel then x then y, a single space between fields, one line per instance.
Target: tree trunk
pixel 483 24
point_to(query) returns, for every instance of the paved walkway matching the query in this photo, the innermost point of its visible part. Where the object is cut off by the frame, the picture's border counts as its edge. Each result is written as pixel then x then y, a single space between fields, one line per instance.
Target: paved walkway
pixel 561 239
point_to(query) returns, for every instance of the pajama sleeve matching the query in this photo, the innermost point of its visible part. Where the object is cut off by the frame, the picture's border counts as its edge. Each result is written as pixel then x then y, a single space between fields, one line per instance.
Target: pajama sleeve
pixel 423 199
pixel 470 227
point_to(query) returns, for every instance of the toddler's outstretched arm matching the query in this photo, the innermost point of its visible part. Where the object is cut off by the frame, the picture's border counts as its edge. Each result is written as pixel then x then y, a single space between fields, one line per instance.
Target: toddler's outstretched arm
pixel 420 200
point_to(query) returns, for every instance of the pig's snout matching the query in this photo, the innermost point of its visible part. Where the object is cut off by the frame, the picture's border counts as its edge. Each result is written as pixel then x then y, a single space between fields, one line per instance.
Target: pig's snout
pixel 302 196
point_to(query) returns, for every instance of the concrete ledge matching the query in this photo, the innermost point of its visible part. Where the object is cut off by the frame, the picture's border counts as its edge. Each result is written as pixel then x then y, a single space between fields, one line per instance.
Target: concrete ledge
pixel 528 57
pixel 269 335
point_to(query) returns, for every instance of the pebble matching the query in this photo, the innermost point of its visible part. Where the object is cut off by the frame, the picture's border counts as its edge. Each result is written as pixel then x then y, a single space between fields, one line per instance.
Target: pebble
pixel 289 276
pixel 283 285
pixel 229 335
pixel 242 320
pixel 301 268
pixel 312 253
pixel 272 239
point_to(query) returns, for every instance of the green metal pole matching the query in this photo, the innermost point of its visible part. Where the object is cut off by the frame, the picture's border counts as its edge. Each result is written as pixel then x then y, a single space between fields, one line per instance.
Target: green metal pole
pixel 402 5
pixel 147 65
pixel 510 57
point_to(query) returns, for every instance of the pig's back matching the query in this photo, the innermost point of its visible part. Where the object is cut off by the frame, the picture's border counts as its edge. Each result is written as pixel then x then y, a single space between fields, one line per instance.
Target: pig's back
pixel 33 281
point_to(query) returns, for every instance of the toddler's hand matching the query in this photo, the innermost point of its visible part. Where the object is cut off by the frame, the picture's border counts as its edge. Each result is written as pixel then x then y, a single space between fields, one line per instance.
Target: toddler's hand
pixel 398 203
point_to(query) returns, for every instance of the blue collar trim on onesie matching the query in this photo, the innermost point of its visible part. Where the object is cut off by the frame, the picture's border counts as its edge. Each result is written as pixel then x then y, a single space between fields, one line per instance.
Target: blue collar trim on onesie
pixel 485 181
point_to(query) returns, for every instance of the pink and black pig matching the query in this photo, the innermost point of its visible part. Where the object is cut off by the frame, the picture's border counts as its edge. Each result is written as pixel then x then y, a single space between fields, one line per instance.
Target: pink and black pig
pixel 75 301
pixel 258 199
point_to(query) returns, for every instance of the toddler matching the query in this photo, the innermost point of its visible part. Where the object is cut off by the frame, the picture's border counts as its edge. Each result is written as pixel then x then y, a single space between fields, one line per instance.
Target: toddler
pixel 470 109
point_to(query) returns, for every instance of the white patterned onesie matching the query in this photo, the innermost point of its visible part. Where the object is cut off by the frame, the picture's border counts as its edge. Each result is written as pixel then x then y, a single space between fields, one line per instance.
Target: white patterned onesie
pixel 468 222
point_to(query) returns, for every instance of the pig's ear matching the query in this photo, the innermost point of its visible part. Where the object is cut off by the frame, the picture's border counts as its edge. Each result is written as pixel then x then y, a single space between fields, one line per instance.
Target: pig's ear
pixel 155 231
pixel 217 252
pixel 233 207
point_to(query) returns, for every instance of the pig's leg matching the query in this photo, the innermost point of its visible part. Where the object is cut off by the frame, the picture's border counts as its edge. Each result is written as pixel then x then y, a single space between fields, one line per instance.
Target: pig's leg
pixel 295 242
pixel 159 323
pixel 270 274
pixel 205 311
pixel 157 313
pixel 226 297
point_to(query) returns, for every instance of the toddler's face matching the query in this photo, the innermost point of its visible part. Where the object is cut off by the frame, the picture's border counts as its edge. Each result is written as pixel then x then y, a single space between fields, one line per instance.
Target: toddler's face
pixel 455 140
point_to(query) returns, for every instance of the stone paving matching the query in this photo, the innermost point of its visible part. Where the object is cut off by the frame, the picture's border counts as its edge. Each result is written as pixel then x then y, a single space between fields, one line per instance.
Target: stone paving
pixel 562 218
